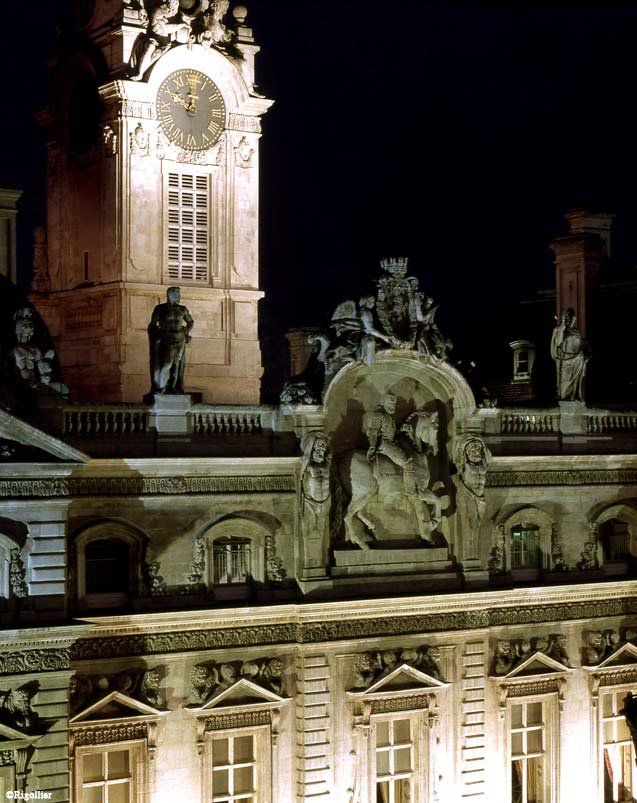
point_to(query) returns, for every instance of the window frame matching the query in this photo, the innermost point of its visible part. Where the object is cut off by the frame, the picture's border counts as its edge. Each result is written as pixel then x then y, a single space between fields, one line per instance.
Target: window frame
pixel 620 691
pixel 137 750
pixel 551 741
pixel 419 792
pixel 262 735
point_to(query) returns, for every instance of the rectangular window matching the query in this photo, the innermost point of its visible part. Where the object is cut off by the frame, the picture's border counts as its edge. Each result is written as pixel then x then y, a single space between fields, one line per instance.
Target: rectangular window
pixel 618 751
pixel 394 765
pixel 239 766
pixel 529 773
pixel 231 561
pixel 106 776
pixel 188 227
pixel 525 547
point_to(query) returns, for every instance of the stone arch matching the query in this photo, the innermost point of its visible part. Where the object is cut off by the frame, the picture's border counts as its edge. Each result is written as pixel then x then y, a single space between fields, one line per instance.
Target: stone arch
pixel 115 530
pixel 538 520
pixel 236 544
pixel 624 512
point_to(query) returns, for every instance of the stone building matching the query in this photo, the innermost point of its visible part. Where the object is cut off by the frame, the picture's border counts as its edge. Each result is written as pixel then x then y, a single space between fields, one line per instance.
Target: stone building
pixel 376 591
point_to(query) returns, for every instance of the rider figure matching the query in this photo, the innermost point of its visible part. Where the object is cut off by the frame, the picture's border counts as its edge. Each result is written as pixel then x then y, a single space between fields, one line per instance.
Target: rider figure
pixel 380 428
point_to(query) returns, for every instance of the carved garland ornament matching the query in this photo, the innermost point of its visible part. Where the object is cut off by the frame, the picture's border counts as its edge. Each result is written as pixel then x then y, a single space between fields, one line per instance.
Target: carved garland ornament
pixel 106 734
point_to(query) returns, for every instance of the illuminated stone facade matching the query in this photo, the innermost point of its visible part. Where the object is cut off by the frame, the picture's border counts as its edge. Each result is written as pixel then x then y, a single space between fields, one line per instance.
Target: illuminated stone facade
pixel 388 595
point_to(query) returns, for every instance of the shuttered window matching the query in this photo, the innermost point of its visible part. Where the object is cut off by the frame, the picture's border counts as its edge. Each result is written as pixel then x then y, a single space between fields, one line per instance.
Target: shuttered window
pixel 188 227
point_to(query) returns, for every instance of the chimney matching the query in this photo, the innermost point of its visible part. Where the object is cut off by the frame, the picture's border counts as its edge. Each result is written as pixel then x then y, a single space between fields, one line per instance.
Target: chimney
pixel 579 258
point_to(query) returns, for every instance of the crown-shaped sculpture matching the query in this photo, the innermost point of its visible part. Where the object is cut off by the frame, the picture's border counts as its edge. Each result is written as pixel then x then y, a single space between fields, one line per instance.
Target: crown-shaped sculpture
pixel 397 266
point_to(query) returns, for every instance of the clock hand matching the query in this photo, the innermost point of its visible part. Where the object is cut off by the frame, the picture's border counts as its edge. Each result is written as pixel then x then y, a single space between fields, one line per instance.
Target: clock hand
pixel 179 99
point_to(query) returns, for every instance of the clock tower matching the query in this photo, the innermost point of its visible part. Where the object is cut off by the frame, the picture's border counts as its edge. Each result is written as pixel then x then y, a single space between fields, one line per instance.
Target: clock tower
pixel 152 130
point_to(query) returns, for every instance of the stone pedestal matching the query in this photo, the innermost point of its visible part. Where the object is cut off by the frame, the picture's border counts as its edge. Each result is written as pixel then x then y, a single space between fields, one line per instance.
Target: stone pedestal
pixel 359 562
pixel 170 415
pixel 572 418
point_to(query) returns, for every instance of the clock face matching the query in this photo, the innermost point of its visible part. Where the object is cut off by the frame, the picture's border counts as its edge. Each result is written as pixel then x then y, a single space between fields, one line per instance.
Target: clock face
pixel 191 110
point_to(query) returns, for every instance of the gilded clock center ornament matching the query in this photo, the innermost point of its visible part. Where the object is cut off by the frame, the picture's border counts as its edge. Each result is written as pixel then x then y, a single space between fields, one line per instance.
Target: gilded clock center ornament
pixel 191 110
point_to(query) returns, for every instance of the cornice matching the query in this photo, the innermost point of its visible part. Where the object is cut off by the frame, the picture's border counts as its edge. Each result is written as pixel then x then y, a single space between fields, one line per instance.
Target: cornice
pixel 341 622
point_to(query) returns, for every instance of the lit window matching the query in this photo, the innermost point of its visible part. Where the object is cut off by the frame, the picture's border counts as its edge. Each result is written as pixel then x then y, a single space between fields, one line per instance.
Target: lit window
pixel 231 560
pixel 619 754
pixel 525 546
pixel 106 776
pixel 188 227
pixel 529 777
pixel 615 539
pixel 107 566
pixel 394 761
pixel 234 769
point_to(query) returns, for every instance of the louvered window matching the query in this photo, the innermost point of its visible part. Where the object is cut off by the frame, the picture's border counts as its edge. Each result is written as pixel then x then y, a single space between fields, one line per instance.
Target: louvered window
pixel 188 227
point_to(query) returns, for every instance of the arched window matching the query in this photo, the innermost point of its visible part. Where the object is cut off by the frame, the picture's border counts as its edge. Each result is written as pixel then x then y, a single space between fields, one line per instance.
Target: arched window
pixel 231 560
pixel 614 536
pixel 107 566
pixel 108 560
pixel 525 546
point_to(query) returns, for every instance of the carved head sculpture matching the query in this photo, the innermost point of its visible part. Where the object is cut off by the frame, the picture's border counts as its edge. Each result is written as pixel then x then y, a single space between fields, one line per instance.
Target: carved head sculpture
pixel 630 634
pixel 367 302
pixel 422 429
pixel 319 448
pixel 433 653
pixel 18 700
pixel 410 656
pixel 249 669
pixel 275 668
pixel 227 673
pixel 200 678
pixel 218 8
pixel 595 640
pixel 474 450
pixel 541 644
pixel 173 295
pixel 612 638
pixel 388 403
pixel 389 659
pixel 151 679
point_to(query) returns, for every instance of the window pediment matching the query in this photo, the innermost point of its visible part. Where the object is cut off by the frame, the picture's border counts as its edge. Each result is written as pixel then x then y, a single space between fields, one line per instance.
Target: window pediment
pixel 243 693
pixel 14 739
pixel 538 665
pixel 114 707
pixel 625 656
pixel 403 680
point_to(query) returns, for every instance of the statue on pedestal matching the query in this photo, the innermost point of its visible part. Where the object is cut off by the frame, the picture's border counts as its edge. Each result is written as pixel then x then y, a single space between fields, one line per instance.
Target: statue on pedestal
pixel 569 356
pixel 168 334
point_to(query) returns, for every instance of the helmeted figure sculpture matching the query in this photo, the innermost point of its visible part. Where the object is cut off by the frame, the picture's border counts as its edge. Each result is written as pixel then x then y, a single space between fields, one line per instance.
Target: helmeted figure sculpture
pixel 168 334
pixel 570 359
pixel 165 23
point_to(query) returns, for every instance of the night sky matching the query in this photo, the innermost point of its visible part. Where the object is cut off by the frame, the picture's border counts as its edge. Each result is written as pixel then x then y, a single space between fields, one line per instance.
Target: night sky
pixel 455 134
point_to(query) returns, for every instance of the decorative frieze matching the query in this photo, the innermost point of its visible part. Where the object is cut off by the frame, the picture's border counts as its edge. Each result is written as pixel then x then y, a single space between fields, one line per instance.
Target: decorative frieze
pixel 137 684
pixel 239 719
pixel 107 734
pixel 410 703
pixel 14 663
pixel 528 688
pixel 135 486
pixel 503 479
pixel 315 632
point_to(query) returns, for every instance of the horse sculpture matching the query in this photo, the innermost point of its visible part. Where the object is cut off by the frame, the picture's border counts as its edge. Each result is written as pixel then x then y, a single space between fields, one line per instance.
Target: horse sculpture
pixel 366 481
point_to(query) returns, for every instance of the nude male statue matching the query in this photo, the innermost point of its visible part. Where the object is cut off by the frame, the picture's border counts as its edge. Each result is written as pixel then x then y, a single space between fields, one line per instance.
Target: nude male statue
pixel 168 333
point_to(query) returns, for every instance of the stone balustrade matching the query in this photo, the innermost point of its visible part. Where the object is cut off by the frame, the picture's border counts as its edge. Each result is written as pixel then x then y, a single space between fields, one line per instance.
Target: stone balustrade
pixel 611 422
pixel 528 422
pixel 231 420
pixel 106 420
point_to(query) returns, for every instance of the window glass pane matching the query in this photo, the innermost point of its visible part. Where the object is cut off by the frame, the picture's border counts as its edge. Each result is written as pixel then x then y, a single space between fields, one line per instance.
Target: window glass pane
pixel 623 734
pixel 107 565
pixel 382 734
pixel 402 731
pixel 402 790
pixel 243 749
pixel 534 741
pixel 607 705
pixel 220 752
pixel 534 780
pixel 118 764
pixel 382 762
pixel 93 794
pixel 609 734
pixel 516 744
pixel 220 782
pixel 243 780
pixel 382 792
pixel 119 792
pixel 92 767
pixel 516 716
pixel 402 760
pixel 534 714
